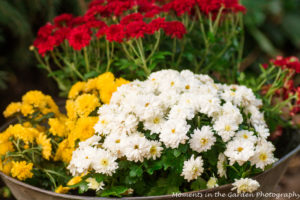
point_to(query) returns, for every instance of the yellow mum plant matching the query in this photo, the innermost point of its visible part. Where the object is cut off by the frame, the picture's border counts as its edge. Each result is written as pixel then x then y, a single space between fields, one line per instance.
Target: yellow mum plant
pixel 39 145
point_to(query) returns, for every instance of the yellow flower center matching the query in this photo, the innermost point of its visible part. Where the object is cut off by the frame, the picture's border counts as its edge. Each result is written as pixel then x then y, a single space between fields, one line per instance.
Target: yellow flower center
pixel 173 130
pixel 104 162
pixel 136 146
pixel 156 120
pixel 187 87
pixel 117 141
pixel 240 149
pixel 263 156
pixel 153 150
pixel 147 104
pixel 245 136
pixel 203 141
pixel 195 170
pixel 172 83
pixel 227 128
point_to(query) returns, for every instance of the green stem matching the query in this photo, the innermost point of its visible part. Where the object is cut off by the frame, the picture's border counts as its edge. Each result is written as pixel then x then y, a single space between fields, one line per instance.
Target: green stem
pixel 55 60
pixel 142 54
pixel 155 46
pixel 86 59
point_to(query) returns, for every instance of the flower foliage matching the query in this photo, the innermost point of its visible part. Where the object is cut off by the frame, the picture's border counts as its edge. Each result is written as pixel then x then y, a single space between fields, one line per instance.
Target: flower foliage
pixel 40 145
pixel 175 126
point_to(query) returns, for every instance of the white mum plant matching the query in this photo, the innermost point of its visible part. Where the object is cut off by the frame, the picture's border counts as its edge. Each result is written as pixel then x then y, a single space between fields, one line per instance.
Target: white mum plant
pixel 175 132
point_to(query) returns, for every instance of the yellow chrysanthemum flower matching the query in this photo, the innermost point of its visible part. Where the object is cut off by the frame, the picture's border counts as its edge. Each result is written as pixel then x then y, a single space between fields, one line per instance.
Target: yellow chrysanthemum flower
pixel 23 133
pixel 91 85
pixel 45 143
pixel 5 167
pixel 76 89
pixel 84 129
pixel 106 93
pixel 71 111
pixel 85 104
pixel 74 180
pixel 27 109
pixel 121 81
pixel 62 190
pixel 35 98
pixel 51 106
pixel 6 147
pixel 12 108
pixel 64 152
pixel 21 170
pixel 58 126
pixel 105 79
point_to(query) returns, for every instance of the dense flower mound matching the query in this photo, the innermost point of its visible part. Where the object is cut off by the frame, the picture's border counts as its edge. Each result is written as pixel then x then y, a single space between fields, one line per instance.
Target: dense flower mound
pixel 207 128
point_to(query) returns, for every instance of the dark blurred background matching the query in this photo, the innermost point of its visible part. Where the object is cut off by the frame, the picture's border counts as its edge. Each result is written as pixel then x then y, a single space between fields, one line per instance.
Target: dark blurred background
pixel 272 28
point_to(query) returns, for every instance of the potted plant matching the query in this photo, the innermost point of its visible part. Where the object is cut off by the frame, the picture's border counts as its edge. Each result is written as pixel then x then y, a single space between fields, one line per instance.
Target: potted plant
pixel 174 130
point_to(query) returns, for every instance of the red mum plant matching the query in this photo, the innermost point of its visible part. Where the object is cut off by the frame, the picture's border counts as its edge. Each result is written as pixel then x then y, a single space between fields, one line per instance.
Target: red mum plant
pixel 142 32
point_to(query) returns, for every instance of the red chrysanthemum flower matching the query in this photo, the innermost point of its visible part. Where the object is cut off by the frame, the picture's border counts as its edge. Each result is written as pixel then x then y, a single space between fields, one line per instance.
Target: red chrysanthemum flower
pixel 155 25
pixel 61 34
pixel 174 29
pixel 44 44
pixel 150 9
pixel 45 41
pixel 131 18
pixel 180 6
pixel 292 63
pixel 115 33
pixel 63 20
pixel 79 37
pixel 136 29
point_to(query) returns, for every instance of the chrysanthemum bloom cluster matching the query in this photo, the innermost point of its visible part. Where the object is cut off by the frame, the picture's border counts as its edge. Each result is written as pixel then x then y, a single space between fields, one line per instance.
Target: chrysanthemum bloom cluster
pixel 44 134
pixel 134 35
pixel 206 128
pixel 84 99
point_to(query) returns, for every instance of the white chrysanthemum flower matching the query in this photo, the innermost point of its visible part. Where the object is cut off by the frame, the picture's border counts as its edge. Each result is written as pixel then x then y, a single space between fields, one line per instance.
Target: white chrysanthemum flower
pixel 239 151
pixel 104 162
pixel 262 131
pixel 93 184
pixel 192 168
pixel 115 143
pixel 225 127
pixel 180 112
pixel 136 148
pixel 221 165
pixel 202 140
pixel 231 111
pixel 82 159
pixel 212 182
pixel 246 135
pixel 245 185
pixel 174 133
pixel 209 104
pixel 155 124
pixel 155 150
pixel 263 154
pixel 92 141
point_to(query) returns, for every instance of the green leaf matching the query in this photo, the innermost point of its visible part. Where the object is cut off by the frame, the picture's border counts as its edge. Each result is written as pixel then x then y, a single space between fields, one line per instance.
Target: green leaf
pixel 136 171
pixel 198 184
pixel 116 191
pixel 91 74
pixel 176 153
pixel 153 167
